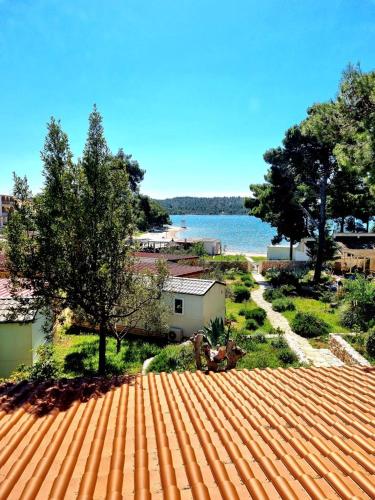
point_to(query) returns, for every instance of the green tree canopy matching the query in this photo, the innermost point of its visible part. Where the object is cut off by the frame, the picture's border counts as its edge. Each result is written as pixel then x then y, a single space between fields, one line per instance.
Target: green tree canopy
pixel 71 245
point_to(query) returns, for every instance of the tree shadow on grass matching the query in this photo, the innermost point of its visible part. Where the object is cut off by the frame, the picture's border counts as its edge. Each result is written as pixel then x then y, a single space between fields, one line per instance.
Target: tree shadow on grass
pixel 41 398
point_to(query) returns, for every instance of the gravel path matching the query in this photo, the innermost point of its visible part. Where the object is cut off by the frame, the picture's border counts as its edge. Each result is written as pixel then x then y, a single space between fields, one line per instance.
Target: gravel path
pixel 302 347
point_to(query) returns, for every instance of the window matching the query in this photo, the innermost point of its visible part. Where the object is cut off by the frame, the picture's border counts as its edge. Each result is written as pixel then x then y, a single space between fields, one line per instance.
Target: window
pixel 178 306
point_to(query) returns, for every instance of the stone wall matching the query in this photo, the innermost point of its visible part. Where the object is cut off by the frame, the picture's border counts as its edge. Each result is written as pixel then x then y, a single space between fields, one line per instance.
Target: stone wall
pixel 344 351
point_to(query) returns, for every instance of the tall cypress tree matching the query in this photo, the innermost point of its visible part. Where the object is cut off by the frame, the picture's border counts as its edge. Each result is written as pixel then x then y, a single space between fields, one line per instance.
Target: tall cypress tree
pixel 78 254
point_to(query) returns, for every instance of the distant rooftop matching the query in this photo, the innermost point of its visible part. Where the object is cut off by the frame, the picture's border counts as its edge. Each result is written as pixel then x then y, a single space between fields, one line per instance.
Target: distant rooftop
pixel 165 256
pixel 174 269
pixel 9 303
pixel 5 290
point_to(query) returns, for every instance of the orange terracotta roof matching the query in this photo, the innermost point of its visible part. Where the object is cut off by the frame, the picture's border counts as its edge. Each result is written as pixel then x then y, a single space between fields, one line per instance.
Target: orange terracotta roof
pixel 261 434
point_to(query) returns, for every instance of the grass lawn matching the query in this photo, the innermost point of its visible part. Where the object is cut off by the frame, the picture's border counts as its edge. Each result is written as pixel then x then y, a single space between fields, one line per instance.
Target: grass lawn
pixel 226 258
pixel 77 355
pixel 322 311
pixel 263 355
pixel 234 308
pixel 258 258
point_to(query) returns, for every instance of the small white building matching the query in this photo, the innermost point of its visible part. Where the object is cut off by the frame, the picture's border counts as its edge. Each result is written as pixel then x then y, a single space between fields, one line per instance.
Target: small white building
pixel 281 252
pixel 194 303
pixel 20 336
pixel 6 205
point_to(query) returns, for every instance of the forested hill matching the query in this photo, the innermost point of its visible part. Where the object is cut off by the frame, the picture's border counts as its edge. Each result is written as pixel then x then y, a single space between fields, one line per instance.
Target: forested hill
pixel 204 206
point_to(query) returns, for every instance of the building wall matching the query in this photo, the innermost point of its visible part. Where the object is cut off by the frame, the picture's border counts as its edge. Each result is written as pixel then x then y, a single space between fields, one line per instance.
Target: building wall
pixel 192 318
pixel 18 342
pixel 281 252
pixel 212 247
pixel 38 335
pixel 15 346
pixel 214 303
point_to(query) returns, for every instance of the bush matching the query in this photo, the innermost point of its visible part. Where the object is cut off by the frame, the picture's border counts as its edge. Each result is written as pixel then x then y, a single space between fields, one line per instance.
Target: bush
pixel 359 294
pixel 247 280
pixel 351 319
pixel 281 305
pixel 247 277
pixel 248 283
pixel 252 324
pixel 370 343
pixel 45 366
pixel 240 293
pixel 279 343
pixel 287 289
pixel 260 338
pixel 242 312
pixel 308 325
pixel 287 356
pixel 173 358
pixel 257 313
pixel 279 277
pixel 271 294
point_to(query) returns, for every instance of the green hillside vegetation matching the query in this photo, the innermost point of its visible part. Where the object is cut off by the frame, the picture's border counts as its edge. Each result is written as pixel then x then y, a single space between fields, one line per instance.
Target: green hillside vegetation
pixel 229 205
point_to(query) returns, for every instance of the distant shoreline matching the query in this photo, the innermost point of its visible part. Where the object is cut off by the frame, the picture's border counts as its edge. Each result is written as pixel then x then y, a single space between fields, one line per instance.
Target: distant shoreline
pixel 168 234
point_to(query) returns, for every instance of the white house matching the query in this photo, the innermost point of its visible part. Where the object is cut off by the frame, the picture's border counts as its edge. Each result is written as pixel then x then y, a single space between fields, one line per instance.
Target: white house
pixel 281 252
pixel 194 303
pixel 20 336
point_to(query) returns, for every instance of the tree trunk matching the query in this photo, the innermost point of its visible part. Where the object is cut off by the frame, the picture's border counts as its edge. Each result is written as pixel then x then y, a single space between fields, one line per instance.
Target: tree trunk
pixel 102 348
pixel 342 224
pixel 321 229
pixel 368 225
pixel 291 250
pixel 118 344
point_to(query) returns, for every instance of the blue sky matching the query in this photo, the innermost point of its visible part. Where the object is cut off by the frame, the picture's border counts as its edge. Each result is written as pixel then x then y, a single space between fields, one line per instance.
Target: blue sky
pixel 196 90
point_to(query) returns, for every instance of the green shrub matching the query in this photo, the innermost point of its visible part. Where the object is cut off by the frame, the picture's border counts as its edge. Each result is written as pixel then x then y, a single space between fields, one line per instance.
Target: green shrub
pixel 276 331
pixel 173 358
pixel 248 283
pixel 281 305
pixel 287 289
pixel 370 343
pixel 287 356
pixel 359 294
pixel 245 341
pixel 240 293
pixel 45 366
pixel 242 312
pixel 257 313
pixel 279 343
pixel 247 277
pixel 279 277
pixel 260 338
pixel 252 324
pixel 308 325
pixel 271 294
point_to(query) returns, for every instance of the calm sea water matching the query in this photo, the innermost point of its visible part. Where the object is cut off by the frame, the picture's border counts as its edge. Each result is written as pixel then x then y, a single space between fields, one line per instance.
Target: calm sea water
pixel 240 233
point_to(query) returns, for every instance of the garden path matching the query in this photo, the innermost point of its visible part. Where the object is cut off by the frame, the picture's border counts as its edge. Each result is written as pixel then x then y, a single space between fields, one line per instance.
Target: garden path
pixel 306 353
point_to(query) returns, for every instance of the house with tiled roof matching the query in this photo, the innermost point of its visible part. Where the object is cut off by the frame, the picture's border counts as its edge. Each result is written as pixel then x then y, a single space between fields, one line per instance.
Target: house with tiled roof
pixel 291 434
pixel 20 334
pixel 193 304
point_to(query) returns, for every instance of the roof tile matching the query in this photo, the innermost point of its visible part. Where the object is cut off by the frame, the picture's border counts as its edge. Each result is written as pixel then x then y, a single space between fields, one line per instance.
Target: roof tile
pixel 261 434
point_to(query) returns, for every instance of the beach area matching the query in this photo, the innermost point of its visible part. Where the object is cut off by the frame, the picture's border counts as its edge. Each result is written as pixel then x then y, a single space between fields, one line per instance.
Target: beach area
pixel 168 234
pixel 174 232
